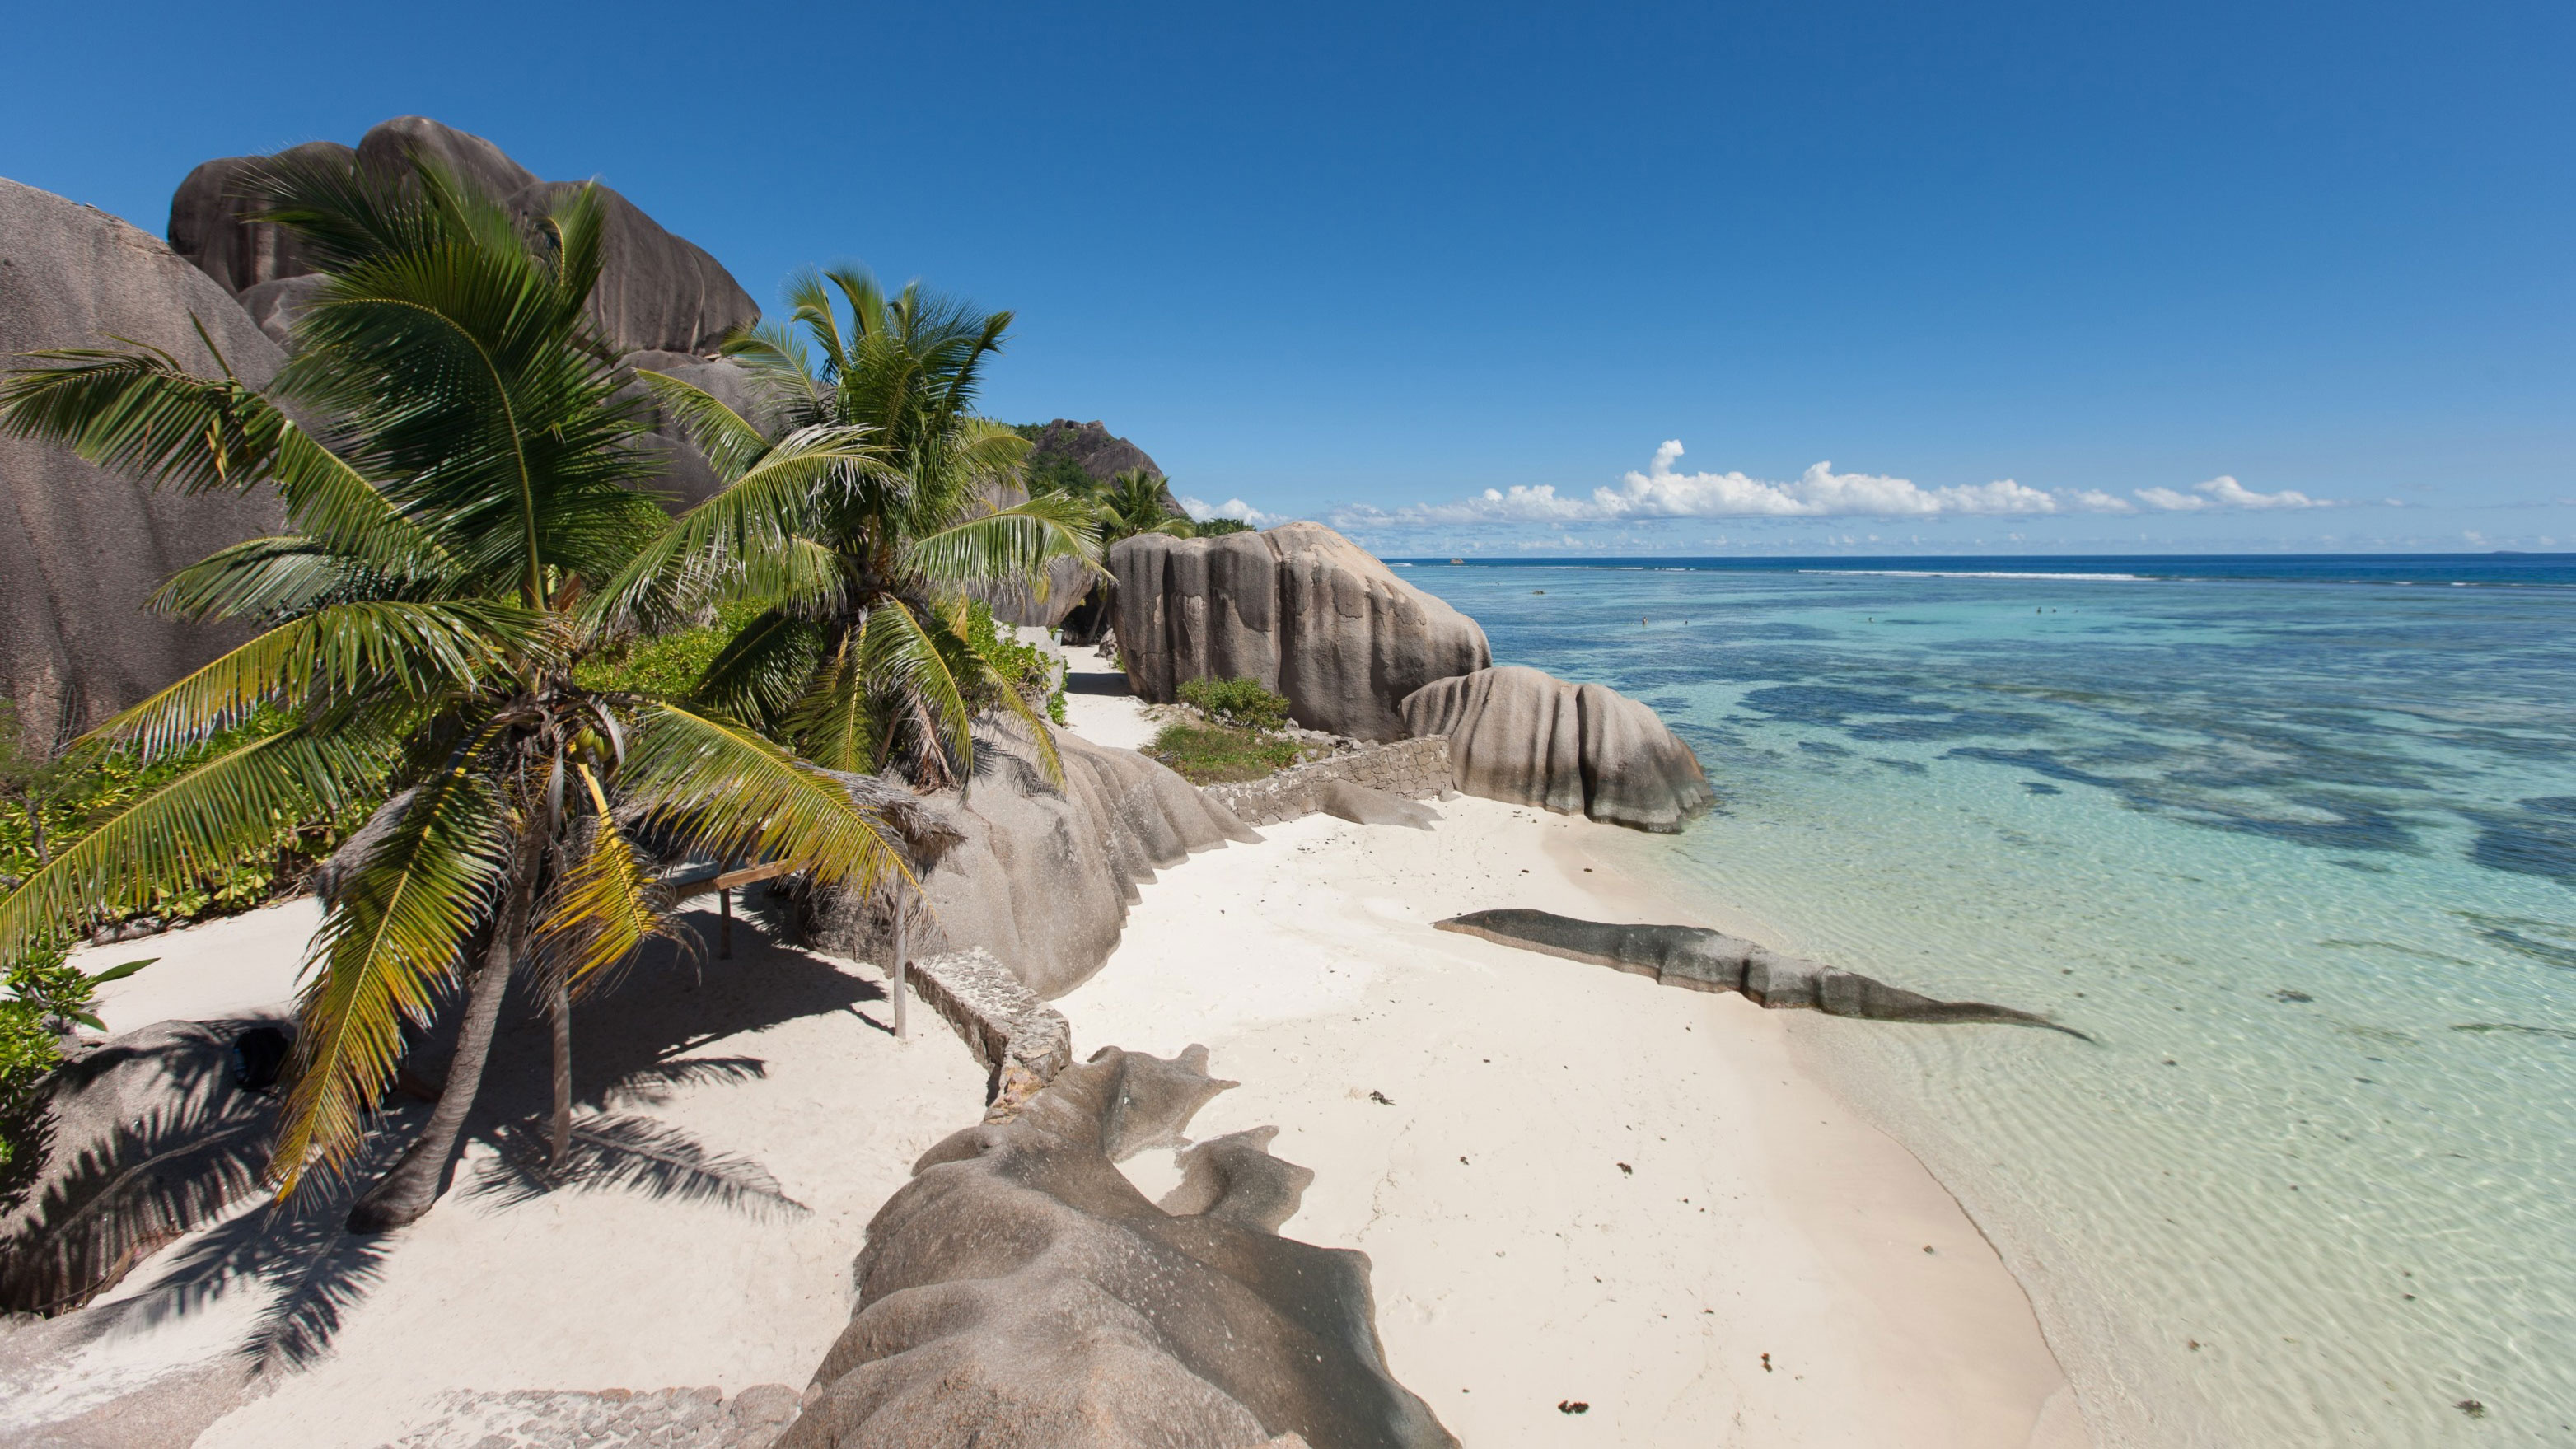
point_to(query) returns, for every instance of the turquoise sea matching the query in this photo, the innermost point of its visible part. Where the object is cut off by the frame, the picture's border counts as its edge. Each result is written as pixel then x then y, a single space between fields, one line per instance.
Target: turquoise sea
pixel 2294 839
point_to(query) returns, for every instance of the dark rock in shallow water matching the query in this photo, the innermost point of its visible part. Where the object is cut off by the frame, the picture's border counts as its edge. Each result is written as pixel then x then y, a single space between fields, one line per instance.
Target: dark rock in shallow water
pixel 1020 1293
pixel 1301 609
pixel 1706 960
pixel 1521 735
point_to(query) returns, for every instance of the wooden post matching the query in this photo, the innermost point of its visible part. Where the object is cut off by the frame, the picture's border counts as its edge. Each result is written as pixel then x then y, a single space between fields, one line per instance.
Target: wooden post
pixel 724 926
pixel 902 1032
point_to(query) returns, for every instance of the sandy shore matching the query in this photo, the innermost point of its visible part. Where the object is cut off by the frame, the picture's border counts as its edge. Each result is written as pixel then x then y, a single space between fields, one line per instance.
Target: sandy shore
pixel 1579 1186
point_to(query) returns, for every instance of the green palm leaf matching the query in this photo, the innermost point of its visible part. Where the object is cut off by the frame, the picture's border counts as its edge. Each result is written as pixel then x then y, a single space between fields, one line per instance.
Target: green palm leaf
pixel 720 788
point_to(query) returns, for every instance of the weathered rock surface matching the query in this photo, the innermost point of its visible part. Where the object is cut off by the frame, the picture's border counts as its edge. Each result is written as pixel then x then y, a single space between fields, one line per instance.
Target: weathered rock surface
pixel 391 147
pixel 1362 805
pixel 1019 1292
pixel 125 1149
pixel 275 305
pixel 82 548
pixel 656 291
pixel 1041 878
pixel 1521 735
pixel 1298 607
pixel 607 1419
pixel 1706 960
pixel 207 226
pixel 687 477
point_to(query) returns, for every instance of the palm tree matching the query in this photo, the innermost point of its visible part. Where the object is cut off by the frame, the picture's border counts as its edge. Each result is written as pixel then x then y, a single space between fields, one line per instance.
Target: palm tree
pixel 861 657
pixel 419 626
pixel 1132 502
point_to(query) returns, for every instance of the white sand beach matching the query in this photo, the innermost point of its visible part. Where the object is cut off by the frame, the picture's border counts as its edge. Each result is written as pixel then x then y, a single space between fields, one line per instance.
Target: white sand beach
pixel 1576 1186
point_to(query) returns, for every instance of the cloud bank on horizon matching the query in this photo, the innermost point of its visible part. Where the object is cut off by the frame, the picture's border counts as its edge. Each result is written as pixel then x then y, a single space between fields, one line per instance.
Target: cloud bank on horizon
pixel 1661 492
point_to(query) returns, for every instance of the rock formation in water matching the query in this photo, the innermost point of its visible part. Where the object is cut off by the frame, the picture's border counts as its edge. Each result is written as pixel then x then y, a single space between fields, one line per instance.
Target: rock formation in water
pixel 1298 607
pixel 1706 960
pixel 1040 877
pixel 83 547
pixel 1521 735
pixel 1020 1293
pixel 123 1150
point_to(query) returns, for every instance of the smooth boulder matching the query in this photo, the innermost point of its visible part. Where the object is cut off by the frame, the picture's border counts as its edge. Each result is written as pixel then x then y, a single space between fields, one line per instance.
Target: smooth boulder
pixel 1020 1293
pixel 657 291
pixel 82 547
pixel 1039 876
pixel 123 1150
pixel 687 478
pixel 392 148
pixel 1299 608
pixel 1521 735
pixel 1705 960
pixel 1361 805
pixel 209 222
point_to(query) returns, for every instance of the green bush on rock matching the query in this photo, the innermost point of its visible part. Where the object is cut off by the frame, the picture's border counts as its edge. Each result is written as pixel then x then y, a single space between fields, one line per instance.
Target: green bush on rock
pixel 1241 702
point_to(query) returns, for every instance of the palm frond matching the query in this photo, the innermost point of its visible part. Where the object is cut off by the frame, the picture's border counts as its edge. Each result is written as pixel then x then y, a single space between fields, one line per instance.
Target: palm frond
pixel 192 826
pixel 607 904
pixel 719 787
pixel 337 653
pixel 1011 545
pixel 389 946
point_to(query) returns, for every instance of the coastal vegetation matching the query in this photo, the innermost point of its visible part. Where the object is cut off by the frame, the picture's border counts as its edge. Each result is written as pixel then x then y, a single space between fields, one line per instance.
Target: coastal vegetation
pixel 863 652
pixel 422 627
pixel 1236 736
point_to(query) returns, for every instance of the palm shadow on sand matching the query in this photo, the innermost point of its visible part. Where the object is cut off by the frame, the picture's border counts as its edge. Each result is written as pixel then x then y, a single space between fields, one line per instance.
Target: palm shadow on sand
pixel 635 1044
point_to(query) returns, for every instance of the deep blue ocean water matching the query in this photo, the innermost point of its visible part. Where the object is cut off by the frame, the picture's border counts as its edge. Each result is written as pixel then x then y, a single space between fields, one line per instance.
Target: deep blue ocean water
pixel 2294 838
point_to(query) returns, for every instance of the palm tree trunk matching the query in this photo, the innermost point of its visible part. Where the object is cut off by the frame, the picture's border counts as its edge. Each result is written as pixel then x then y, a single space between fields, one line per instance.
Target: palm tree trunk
pixel 409 1188
pixel 560 1008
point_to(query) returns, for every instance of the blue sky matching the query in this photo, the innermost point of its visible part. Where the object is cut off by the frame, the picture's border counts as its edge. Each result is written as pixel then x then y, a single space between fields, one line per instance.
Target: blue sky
pixel 1896 278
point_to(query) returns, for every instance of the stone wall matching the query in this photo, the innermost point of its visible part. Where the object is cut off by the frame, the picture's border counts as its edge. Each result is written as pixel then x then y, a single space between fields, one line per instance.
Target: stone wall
pixel 1416 769
pixel 1021 1040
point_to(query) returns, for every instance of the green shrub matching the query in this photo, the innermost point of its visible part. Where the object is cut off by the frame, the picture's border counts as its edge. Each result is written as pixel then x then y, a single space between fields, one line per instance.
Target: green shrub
pixel 1220 527
pixel 1030 669
pixel 1215 754
pixel 668 666
pixel 1240 702
pixel 46 996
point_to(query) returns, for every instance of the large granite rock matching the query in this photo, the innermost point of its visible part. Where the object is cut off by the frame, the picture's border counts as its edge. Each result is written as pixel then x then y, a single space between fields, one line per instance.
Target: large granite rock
pixel 656 291
pixel 1039 877
pixel 687 477
pixel 1699 959
pixel 1020 1293
pixel 82 548
pixel 1300 608
pixel 390 149
pixel 207 226
pixel 1521 735
pixel 125 1149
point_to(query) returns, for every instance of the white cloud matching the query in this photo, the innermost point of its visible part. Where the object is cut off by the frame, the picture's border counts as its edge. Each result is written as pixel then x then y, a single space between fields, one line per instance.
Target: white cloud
pixel 1234 508
pixel 2226 492
pixel 1661 492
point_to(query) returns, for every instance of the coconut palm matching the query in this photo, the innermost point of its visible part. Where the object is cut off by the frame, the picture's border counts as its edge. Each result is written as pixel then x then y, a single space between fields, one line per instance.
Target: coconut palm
pixel 861 657
pixel 1136 502
pixel 419 624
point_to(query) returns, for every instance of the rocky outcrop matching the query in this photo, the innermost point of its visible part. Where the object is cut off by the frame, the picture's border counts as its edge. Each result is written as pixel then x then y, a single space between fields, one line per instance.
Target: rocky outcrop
pixel 1706 960
pixel 1298 607
pixel 1039 877
pixel 1410 769
pixel 207 224
pixel 1520 735
pixel 687 478
pixel 1020 1293
pixel 81 548
pixel 1098 452
pixel 656 291
pixel 122 1151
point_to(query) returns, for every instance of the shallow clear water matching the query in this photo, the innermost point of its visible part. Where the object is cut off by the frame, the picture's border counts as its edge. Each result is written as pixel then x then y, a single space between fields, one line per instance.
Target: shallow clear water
pixel 2301 855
